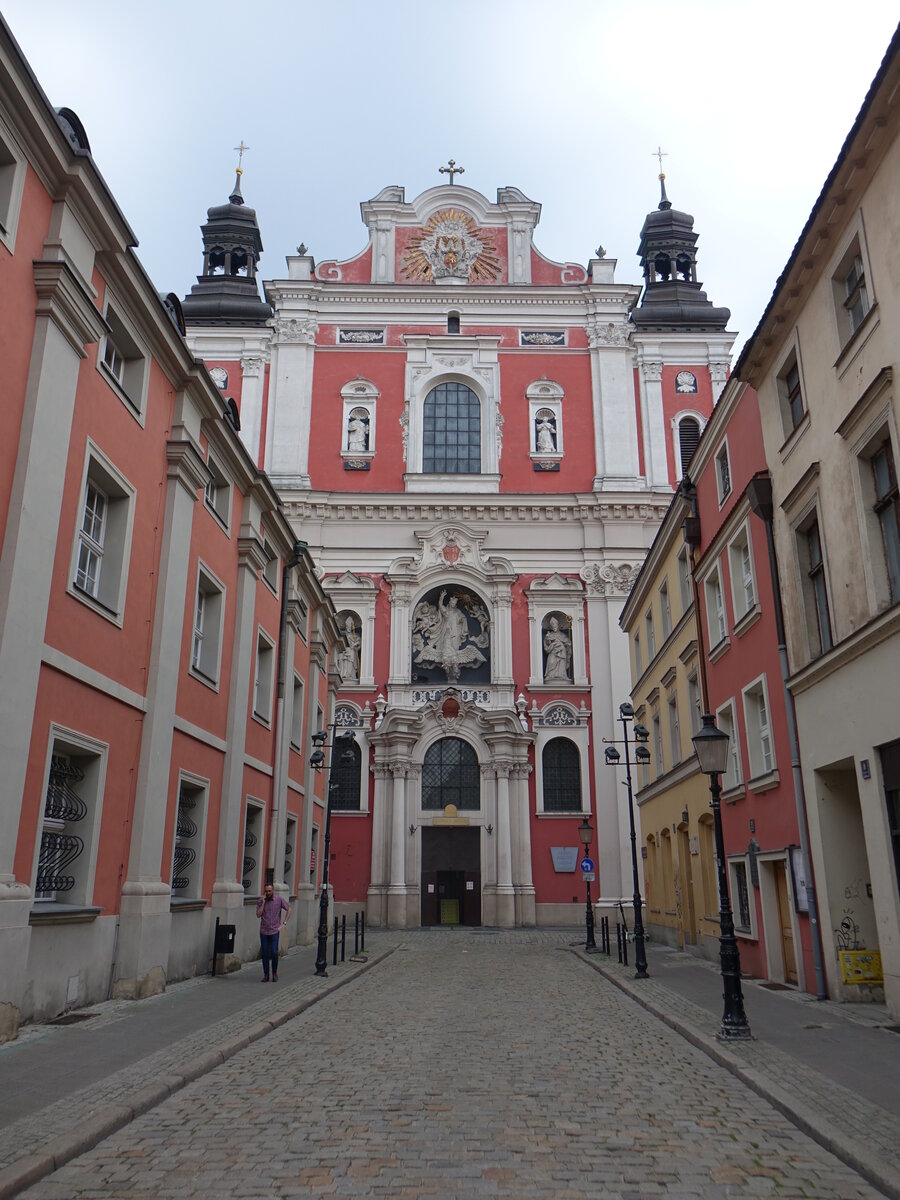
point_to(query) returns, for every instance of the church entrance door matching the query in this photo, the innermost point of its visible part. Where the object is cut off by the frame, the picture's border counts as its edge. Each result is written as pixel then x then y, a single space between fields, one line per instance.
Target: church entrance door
pixel 451 876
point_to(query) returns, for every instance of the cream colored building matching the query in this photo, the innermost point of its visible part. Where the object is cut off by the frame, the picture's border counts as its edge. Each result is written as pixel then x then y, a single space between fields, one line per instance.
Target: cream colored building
pixel 672 795
pixel 824 361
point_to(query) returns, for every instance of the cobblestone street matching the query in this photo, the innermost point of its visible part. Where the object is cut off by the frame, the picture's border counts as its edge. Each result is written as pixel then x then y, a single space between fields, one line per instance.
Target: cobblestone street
pixel 464 1065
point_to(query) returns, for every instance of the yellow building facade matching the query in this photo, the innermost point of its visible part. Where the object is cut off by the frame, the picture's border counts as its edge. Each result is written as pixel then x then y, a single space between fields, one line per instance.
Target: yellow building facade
pixel 672 796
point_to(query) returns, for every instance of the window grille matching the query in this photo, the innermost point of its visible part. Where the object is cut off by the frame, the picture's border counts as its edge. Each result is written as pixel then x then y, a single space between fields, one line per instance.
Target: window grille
pixel 250 840
pixel 59 847
pixel 562 776
pixel 185 831
pixel 346 779
pixel 451 775
pixel 452 431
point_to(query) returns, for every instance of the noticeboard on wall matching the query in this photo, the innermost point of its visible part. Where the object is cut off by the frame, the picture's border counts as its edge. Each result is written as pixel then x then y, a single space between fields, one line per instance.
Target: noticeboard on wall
pixel 565 859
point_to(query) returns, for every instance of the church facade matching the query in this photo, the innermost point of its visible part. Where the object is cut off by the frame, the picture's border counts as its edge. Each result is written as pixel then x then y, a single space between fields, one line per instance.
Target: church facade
pixel 478 445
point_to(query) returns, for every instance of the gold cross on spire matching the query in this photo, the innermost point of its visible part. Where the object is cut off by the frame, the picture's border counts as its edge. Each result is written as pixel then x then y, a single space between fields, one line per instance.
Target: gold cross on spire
pixel 452 170
pixel 240 149
pixel 660 154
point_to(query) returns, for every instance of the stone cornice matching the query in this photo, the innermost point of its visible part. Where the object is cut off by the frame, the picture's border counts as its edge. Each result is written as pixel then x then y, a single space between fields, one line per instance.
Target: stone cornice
pixel 63 298
pixel 305 506
pixel 872 634
pixel 187 466
pixel 251 553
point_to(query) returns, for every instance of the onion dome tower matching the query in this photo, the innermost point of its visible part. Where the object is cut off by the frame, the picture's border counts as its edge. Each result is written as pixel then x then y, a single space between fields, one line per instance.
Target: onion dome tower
pixel 227 292
pixel 673 299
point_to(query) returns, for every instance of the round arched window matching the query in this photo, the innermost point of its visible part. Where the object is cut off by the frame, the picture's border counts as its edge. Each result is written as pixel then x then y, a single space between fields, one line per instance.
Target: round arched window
pixel 451 431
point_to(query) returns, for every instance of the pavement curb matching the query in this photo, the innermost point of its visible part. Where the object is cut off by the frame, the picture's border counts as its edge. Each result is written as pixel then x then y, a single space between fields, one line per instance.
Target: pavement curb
pixel 875 1171
pixel 26 1171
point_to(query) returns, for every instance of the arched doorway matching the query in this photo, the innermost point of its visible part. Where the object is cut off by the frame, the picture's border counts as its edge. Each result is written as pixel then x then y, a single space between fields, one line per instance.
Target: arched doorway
pixel 451 847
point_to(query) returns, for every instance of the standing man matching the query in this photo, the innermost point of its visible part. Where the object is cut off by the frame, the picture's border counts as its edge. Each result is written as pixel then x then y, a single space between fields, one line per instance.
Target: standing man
pixel 271 923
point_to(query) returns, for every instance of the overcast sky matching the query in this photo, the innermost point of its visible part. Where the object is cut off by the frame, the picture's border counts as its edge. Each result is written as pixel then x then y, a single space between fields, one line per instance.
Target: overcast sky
pixel 564 99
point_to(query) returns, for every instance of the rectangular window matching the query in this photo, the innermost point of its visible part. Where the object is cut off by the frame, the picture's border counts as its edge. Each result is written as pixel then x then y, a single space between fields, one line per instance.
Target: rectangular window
pixel 290 855
pixel 187 856
pixel 638 658
pixel 12 184
pixel 297 714
pixel 123 361
pixel 103 543
pixel 251 874
pixel 740 894
pixel 723 473
pixel 790 394
pixel 650 635
pixel 665 609
pixel 657 745
pixel 217 493
pixel 887 510
pixel 851 292
pixel 743 587
pixel 262 684
pixel 685 589
pixel 209 607
pixel 674 734
pixel 715 609
pixel 270 570
pixel 726 723
pixel 813 585
pixel 694 703
pixel 759 734
pixel 708 867
pixel 71 821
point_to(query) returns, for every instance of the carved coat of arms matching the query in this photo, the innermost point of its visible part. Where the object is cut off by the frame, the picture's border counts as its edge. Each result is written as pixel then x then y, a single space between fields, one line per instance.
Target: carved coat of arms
pixel 451 246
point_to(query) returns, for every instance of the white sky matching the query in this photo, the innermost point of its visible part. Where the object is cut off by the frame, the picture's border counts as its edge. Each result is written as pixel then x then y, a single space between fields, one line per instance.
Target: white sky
pixel 565 99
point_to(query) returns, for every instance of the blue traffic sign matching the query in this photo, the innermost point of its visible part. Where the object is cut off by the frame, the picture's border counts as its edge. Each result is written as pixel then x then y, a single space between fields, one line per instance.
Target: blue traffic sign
pixel 587 864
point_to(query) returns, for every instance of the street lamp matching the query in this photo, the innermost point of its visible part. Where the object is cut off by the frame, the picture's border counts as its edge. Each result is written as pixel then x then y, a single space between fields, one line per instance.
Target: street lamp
pixel 711 746
pixel 613 758
pixel 317 762
pixel 585 833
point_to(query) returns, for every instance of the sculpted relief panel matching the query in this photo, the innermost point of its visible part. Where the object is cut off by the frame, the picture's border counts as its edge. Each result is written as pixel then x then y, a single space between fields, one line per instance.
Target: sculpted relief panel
pixel 450 637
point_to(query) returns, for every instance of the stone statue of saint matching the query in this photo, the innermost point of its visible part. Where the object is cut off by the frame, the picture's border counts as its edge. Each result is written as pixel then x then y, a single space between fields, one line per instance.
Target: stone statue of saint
pixel 357 434
pixel 440 634
pixel 546 436
pixel 558 648
pixel 348 655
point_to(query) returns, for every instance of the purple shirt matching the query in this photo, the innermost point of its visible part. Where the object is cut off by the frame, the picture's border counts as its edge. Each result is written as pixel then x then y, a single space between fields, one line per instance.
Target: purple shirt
pixel 270 911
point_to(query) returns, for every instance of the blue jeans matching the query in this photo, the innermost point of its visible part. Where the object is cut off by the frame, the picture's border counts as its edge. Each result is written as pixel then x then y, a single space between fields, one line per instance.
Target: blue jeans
pixel 269 945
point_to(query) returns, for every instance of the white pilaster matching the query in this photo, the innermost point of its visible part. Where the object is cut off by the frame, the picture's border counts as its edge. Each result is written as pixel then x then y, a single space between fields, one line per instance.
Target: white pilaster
pixel 506 908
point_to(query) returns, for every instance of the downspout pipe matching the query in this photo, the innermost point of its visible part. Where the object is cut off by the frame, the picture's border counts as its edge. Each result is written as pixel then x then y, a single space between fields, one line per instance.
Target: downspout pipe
pixel 299 552
pixel 759 495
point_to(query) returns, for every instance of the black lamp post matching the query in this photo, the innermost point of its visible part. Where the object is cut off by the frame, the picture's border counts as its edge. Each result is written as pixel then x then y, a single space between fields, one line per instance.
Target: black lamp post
pixel 711 746
pixel 585 833
pixel 613 758
pixel 317 762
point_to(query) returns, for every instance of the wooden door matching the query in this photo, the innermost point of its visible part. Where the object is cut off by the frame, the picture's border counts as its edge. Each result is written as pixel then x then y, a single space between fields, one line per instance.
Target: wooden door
pixel 788 956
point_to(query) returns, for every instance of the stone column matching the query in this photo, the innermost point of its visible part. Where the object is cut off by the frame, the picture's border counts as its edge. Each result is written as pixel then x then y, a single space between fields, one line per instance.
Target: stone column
pixel 145 918
pixel 252 377
pixel 66 321
pixel 290 399
pixel 522 876
pixel 656 466
pixel 228 890
pixel 375 907
pixel 615 425
pixel 506 908
pixel 397 888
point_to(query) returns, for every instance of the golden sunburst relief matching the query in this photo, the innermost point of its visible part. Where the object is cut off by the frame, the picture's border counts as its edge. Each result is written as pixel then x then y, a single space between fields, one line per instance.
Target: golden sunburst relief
pixel 449 246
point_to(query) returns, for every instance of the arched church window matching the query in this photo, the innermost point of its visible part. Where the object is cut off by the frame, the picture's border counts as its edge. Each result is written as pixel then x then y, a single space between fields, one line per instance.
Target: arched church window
pixel 347 779
pixel 561 766
pixel 450 775
pixel 688 437
pixel 451 442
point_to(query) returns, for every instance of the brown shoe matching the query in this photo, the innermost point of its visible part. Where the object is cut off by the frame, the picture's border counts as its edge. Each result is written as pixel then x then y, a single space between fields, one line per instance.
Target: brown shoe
pixel 274 976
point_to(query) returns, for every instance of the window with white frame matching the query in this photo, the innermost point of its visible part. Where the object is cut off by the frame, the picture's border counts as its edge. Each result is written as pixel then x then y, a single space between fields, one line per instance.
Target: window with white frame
pixel 12 185
pixel 638 656
pixel 451 431
pixel 814 585
pixel 123 361
pixel 347 779
pixel 561 769
pixel 217 493
pixel 206 639
pixel 687 437
pixel 851 291
pixel 270 570
pixel 103 541
pixel 790 393
pixel 650 635
pixel 694 703
pixel 264 676
pixel 759 730
pixel 251 873
pixel 187 857
pixel 887 510
pixel 740 561
pixel 685 587
pixel 73 798
pixel 674 732
pixel 876 476
pixel 656 730
pixel 297 714
pixel 726 724
pixel 665 609
pixel 723 473
pixel 715 608
pixel 740 894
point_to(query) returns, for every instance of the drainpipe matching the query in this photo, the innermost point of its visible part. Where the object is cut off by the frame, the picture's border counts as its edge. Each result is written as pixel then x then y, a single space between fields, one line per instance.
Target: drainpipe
pixel 296 559
pixel 759 495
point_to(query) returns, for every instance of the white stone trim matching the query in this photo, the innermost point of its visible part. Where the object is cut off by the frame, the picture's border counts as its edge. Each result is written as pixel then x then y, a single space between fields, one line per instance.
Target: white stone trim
pixel 578 732
pixel 556 593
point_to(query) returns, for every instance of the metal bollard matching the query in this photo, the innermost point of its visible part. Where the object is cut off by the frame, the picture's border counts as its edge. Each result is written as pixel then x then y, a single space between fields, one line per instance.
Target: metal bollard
pixel 624 945
pixel 356 935
pixel 334 954
pixel 343 935
pixel 362 938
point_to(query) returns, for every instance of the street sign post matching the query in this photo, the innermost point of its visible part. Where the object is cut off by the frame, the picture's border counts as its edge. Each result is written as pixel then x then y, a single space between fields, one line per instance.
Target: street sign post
pixel 587 864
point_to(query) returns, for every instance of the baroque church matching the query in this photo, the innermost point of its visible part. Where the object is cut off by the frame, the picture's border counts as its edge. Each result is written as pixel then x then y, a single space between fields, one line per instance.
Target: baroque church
pixel 478 445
